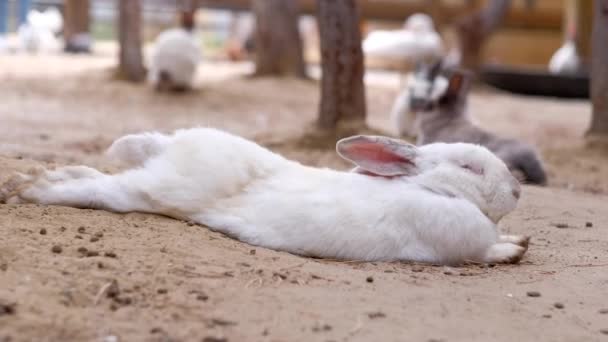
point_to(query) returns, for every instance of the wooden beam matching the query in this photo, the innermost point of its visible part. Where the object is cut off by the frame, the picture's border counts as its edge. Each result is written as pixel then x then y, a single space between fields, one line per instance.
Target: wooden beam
pixel 398 10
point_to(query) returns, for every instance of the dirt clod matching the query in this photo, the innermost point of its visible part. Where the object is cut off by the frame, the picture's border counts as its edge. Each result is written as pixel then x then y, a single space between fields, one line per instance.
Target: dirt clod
pixel 533 294
pixel 156 330
pixel 123 300
pixel 280 275
pixel 162 291
pixel 588 224
pixel 252 251
pixel 560 225
pixel 214 339
pixel 558 305
pixel 110 254
pixel 7 308
pixel 81 229
pixel 322 328
pixel 369 279
pixel 221 322
pixel 94 239
pixel 604 331
pixel 43 231
pixel 92 254
pixel 377 314
pixel 603 311
pixel 113 291
pixel 56 249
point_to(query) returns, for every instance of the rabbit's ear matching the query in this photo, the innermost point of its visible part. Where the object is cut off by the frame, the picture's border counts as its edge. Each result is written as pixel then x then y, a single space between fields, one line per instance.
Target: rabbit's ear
pixel 458 84
pixel 378 155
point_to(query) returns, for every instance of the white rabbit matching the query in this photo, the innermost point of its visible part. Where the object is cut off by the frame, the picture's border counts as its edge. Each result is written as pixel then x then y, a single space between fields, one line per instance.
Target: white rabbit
pixel 38 32
pixel 437 203
pixel 36 39
pixel 175 58
pixel 50 19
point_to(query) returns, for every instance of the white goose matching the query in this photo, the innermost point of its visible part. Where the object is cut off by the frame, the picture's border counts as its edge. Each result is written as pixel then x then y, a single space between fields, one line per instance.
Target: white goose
pixel 566 59
pixel 417 40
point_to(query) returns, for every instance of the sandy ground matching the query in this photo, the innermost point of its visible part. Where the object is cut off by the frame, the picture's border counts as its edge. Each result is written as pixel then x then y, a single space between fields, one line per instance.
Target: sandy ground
pixel 85 275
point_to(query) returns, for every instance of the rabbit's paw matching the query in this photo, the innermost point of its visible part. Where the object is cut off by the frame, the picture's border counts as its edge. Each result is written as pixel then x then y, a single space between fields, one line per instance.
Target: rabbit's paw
pixel 504 253
pixel 11 191
pixel 520 240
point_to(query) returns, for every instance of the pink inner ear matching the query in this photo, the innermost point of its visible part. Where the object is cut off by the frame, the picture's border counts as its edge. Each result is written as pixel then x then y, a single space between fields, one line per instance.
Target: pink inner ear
pixel 371 174
pixel 375 152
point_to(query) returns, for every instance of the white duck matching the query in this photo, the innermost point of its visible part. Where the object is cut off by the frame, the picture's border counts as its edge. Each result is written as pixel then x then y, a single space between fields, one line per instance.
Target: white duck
pixel 566 59
pixel 417 40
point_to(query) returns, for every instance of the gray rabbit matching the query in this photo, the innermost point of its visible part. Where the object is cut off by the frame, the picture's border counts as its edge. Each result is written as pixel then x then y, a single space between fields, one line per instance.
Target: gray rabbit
pixel 433 106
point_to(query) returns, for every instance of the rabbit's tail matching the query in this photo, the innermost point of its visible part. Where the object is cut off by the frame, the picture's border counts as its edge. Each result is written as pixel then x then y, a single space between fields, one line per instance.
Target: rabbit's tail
pixel 528 163
pixel 135 149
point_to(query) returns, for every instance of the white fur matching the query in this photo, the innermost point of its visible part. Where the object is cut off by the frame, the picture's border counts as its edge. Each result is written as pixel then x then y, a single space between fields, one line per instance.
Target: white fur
pixel 401 114
pixel 134 149
pixel 436 210
pixel 177 52
pixel 50 19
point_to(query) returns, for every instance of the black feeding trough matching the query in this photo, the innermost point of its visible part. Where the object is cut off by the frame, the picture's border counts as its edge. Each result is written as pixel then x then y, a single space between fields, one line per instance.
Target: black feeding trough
pixel 529 81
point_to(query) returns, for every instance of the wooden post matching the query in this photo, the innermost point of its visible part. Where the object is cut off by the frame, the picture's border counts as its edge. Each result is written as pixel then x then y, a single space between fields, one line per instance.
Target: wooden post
pixel 342 89
pixel 76 28
pixel 474 30
pixel 131 65
pixel 278 45
pixel 599 68
pixel 583 11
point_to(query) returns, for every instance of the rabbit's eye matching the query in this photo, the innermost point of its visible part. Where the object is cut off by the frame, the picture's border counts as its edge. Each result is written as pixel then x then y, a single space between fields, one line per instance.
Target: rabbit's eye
pixel 474 169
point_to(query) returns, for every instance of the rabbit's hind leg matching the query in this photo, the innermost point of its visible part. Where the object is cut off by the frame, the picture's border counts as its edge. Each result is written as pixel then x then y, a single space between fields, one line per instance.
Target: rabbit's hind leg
pixel 135 149
pixel 89 189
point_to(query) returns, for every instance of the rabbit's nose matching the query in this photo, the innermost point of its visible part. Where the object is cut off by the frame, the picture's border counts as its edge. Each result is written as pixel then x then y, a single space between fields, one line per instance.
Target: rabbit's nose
pixel 516 192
